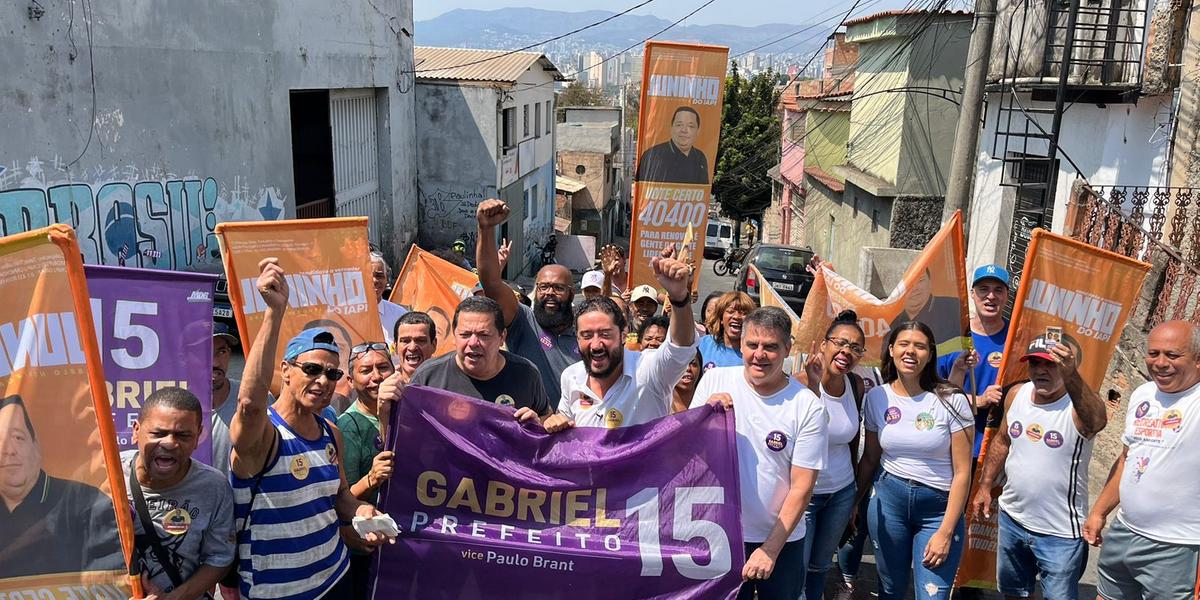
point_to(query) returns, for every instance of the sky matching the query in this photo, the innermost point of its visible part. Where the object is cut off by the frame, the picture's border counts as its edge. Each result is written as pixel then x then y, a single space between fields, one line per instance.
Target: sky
pixel 723 12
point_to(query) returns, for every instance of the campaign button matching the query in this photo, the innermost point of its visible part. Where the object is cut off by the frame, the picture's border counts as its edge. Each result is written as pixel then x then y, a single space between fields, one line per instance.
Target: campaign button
pixel 1014 430
pixel 1053 439
pixel 776 441
pixel 892 416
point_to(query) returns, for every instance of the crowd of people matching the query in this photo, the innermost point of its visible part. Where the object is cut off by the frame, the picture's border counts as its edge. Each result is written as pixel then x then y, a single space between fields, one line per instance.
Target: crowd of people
pixel 830 453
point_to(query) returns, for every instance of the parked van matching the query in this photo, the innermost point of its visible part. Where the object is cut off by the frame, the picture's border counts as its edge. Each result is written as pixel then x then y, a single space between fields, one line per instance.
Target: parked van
pixel 718 238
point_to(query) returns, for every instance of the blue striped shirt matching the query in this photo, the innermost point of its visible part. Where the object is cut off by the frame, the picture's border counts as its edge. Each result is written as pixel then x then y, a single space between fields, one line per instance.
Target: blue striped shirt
pixel 290 548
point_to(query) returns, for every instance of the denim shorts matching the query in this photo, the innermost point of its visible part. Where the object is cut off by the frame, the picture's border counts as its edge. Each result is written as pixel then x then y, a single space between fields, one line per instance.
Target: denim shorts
pixel 1024 556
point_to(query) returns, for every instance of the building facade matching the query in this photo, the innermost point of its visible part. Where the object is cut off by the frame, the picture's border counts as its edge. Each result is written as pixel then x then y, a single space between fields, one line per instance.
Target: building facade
pixel 589 141
pixel 143 132
pixel 485 129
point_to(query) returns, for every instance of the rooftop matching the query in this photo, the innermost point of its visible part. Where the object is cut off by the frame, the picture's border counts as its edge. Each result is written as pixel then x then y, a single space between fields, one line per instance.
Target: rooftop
pixel 904 12
pixel 468 64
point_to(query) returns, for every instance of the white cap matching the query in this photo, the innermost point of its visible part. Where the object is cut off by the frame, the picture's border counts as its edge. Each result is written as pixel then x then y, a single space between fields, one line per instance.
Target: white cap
pixel 643 291
pixel 592 279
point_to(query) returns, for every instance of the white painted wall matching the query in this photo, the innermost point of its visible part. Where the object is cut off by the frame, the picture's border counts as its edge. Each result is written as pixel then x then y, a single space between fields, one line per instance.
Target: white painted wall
pixel 1121 144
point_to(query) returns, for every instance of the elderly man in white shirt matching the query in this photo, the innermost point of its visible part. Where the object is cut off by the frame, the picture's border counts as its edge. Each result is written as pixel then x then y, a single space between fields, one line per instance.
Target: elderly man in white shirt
pixel 613 387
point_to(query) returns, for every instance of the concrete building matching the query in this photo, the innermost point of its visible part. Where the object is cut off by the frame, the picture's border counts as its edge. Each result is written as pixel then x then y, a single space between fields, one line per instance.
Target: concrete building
pixel 144 124
pixel 898 140
pixel 1122 100
pixel 589 142
pixel 485 129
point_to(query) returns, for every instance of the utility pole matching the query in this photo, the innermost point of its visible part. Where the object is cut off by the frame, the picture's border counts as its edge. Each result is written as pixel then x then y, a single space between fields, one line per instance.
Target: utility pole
pixel 966 137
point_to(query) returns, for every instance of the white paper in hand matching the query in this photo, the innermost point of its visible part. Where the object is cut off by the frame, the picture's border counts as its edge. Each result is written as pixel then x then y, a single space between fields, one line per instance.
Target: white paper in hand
pixel 381 523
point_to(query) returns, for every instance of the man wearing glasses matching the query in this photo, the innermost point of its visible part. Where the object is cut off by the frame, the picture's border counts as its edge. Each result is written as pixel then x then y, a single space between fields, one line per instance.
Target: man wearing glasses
pixel 286 466
pixel 545 333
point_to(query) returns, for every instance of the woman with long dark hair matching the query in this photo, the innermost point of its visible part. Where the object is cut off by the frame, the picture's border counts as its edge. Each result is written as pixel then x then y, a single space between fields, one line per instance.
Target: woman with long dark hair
pixel 919 428
pixel 827 372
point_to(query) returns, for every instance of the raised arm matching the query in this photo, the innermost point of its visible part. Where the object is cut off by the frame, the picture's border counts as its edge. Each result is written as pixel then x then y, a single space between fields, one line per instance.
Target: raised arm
pixel 676 278
pixel 1089 415
pixel 250 431
pixel 489 215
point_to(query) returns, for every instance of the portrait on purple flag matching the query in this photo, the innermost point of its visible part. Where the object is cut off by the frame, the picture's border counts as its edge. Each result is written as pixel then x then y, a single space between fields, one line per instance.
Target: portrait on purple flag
pixel 155 330
pixel 490 508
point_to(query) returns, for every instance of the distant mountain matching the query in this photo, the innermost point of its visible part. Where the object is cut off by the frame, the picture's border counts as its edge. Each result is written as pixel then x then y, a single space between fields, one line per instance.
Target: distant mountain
pixel 509 28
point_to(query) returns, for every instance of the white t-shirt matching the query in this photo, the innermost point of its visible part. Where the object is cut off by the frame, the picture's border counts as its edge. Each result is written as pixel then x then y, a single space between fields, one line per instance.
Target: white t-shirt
pixel 1046 487
pixel 843 426
pixel 774 434
pixel 915 432
pixel 389 313
pixel 1160 486
pixel 641 394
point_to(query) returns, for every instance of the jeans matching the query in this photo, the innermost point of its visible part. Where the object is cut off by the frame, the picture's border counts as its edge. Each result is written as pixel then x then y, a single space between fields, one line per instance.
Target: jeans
pixel 903 516
pixel 824 521
pixel 787 578
pixel 851 553
pixel 1022 556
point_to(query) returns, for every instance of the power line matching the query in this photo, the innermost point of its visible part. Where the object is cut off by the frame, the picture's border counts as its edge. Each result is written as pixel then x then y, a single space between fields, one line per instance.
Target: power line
pixel 793 34
pixel 541 43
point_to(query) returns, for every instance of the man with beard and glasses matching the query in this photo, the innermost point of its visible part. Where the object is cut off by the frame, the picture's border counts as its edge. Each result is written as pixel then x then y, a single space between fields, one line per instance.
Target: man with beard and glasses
pixel 543 334
pixel 613 387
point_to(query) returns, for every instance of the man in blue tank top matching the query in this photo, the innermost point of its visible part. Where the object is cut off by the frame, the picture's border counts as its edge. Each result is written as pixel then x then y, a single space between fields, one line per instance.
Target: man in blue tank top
pixel 286 467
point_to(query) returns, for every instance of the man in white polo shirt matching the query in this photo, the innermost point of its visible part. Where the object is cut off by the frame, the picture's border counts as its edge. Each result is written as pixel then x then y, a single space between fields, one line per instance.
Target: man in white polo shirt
pixel 613 387
pixel 782 445
pixel 1153 546
pixel 1047 432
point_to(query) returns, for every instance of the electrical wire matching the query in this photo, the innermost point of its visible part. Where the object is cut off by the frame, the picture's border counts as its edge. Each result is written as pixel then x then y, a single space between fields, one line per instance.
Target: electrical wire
pixel 541 43
pixel 87 25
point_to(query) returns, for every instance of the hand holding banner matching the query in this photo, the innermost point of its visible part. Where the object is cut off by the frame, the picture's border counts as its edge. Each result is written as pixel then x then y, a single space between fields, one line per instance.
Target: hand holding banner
pixel 490 508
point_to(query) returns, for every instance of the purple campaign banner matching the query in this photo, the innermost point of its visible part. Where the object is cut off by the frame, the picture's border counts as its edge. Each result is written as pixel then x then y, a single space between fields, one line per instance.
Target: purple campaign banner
pixel 155 331
pixel 490 508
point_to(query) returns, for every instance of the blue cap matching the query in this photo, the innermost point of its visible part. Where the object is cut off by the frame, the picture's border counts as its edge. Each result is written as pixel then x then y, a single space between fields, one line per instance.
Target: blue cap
pixel 309 340
pixel 223 330
pixel 996 272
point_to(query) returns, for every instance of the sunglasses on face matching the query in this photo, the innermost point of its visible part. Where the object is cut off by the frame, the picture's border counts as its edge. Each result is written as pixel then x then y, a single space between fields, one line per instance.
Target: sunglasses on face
pixel 314 370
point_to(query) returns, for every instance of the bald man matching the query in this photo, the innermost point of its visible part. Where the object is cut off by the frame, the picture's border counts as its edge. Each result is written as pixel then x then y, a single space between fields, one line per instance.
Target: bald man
pixel 545 333
pixel 1153 546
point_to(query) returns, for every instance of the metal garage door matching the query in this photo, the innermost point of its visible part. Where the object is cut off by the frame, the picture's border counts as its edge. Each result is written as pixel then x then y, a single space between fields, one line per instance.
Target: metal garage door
pixel 356 155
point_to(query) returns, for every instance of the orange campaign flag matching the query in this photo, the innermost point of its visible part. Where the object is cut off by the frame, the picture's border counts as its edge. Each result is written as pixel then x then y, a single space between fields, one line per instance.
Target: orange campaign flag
pixel 1079 295
pixel 56 430
pixel 327 265
pixel 434 286
pixel 932 290
pixel 679 125
pixel 770 297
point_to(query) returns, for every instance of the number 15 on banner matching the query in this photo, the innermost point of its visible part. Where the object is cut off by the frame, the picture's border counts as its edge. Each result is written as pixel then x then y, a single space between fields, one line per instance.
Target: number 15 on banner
pixel 645 504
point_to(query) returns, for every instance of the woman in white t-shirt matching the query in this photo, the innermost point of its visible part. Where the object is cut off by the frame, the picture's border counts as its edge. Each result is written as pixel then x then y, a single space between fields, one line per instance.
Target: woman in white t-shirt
pixel 920 428
pixel 828 373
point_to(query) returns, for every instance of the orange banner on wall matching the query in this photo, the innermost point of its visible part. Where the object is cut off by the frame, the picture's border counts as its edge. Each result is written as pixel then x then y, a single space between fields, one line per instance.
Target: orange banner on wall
pixel 434 286
pixel 57 439
pixel 1068 289
pixel 327 266
pixel 932 290
pixel 679 126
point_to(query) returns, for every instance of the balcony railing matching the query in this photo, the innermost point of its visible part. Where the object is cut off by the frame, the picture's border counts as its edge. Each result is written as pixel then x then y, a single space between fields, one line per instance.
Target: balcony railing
pixel 1133 221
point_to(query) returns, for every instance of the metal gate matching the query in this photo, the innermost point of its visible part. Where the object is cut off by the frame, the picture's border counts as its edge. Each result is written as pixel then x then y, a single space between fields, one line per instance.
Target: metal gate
pixel 353 120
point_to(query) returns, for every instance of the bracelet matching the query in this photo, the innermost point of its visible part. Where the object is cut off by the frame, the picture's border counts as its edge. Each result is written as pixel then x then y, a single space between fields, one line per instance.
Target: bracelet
pixel 687 301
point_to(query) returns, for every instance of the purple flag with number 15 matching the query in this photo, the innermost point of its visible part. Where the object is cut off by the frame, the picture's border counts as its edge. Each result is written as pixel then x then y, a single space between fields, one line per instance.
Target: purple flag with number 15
pixel 489 508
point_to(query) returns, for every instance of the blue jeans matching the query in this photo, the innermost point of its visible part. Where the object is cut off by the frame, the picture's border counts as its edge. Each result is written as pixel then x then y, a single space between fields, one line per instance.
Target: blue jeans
pixel 903 516
pixel 1022 556
pixel 851 553
pixel 825 521
pixel 787 578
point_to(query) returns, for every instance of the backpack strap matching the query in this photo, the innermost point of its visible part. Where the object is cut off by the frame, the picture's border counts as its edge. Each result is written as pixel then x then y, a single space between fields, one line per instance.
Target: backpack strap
pixel 149 538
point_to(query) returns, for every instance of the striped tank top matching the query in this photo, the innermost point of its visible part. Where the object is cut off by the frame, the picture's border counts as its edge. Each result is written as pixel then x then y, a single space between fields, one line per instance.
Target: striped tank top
pixel 288 542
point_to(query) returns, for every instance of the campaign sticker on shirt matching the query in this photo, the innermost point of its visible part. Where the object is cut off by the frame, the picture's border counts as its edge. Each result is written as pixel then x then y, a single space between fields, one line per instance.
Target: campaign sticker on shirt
pixel 892 415
pixel 1053 439
pixel 1014 430
pixel 176 522
pixel 709 365
pixel 505 400
pixel 924 421
pixel 776 441
pixel 613 418
pixel 995 358
pixel 331 453
pixel 546 340
pixel 299 467
pixel 1034 432
pixel 1142 409
pixel 1172 419
pixel 378 442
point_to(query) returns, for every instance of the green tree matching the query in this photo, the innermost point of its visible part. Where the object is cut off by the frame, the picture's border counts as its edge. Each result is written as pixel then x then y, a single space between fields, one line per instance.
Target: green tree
pixel 578 94
pixel 750 131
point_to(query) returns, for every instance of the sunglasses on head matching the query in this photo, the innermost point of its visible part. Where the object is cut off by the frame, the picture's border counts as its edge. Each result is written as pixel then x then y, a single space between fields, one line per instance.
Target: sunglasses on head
pixel 367 347
pixel 314 370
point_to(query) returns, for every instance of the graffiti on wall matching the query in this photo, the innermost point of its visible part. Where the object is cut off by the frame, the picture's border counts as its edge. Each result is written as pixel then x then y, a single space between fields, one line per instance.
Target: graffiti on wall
pixel 130 217
pixel 449 214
